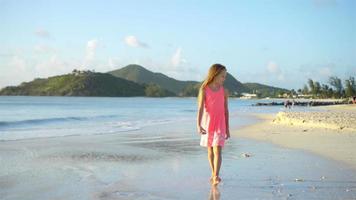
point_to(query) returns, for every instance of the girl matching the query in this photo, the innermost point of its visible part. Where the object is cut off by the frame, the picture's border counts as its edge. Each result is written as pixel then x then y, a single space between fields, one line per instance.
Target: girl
pixel 213 117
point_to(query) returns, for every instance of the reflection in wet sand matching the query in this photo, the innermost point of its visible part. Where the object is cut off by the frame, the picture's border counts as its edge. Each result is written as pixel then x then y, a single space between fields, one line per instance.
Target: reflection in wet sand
pixel 214 193
pixel 170 145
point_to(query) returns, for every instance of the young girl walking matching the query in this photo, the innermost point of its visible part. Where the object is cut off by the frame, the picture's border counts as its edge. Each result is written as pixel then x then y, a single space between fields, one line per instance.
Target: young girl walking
pixel 213 117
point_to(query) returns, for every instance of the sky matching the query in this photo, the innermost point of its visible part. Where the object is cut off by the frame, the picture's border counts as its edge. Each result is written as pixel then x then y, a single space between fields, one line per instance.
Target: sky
pixel 281 43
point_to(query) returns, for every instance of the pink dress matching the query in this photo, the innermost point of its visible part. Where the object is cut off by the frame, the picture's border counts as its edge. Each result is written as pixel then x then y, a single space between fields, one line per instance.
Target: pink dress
pixel 213 119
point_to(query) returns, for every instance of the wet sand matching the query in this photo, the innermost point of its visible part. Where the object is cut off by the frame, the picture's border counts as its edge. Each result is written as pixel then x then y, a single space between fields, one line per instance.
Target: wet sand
pixel 165 164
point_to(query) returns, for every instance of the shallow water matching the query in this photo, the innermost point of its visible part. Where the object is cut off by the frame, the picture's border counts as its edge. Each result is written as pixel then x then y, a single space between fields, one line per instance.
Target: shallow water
pixel 38 117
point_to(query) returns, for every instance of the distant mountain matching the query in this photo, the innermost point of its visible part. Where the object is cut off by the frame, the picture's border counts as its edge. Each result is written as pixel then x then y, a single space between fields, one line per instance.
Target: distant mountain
pixel 77 84
pixel 234 86
pixel 265 90
pixel 132 80
pixel 139 74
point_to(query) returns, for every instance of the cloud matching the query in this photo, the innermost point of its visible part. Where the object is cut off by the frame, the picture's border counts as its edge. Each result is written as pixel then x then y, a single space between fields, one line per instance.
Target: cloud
pixel 325 72
pixel 174 66
pixel 113 63
pixel 92 45
pixel 177 59
pixel 6 55
pixel 273 68
pixel 180 68
pixel 16 70
pixel 43 49
pixel 18 63
pixel 93 62
pixel 351 71
pixel 90 54
pixel 42 33
pixel 54 65
pixel 319 72
pixel 281 77
pixel 132 41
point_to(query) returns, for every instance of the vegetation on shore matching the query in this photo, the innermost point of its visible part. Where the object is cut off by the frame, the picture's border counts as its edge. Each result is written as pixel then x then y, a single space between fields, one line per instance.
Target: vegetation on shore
pixel 334 88
pixel 77 84
pixel 263 91
pixel 85 83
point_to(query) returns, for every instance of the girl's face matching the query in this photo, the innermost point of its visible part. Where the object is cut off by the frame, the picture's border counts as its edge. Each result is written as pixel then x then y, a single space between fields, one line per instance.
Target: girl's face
pixel 220 78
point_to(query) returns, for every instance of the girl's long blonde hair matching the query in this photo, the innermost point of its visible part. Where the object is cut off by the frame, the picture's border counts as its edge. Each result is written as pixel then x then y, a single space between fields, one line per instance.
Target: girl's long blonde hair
pixel 214 70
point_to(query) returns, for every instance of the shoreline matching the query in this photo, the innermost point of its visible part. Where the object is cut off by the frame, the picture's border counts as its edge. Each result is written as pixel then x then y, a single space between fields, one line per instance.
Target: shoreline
pixel 319 138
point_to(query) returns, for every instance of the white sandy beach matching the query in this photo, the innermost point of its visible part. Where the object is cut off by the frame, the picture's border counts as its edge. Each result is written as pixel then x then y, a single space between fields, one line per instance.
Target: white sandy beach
pixel 330 133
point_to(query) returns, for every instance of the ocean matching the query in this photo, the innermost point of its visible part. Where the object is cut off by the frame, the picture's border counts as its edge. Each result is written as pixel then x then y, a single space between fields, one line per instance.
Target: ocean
pixel 37 117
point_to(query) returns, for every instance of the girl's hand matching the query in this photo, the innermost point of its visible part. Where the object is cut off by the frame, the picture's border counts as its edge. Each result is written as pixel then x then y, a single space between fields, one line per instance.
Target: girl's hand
pixel 227 136
pixel 201 130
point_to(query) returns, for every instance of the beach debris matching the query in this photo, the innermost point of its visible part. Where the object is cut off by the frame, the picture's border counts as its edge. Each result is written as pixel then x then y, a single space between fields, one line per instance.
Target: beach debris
pixel 322 178
pixel 302 103
pixel 299 180
pixel 313 188
pixel 235 157
pixel 305 130
pixel 245 155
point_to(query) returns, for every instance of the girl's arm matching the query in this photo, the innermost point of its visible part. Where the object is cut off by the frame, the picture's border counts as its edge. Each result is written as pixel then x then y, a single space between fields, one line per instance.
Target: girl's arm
pixel 227 114
pixel 200 113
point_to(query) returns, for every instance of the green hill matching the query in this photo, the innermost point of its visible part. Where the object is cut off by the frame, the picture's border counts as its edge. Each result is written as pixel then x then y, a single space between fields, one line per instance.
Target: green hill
pixel 77 84
pixel 234 86
pixel 132 80
pixel 139 74
pixel 265 90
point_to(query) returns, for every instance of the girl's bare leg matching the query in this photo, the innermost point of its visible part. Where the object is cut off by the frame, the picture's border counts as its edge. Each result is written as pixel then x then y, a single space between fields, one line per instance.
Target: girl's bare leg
pixel 211 160
pixel 217 163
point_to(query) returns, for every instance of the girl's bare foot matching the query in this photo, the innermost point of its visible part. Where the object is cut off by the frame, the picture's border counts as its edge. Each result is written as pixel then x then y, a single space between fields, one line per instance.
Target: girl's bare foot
pixel 215 180
pixel 212 178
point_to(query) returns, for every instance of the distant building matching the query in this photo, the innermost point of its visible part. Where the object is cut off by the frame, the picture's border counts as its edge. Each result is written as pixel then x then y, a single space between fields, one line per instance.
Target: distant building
pixel 305 96
pixel 78 72
pixel 248 96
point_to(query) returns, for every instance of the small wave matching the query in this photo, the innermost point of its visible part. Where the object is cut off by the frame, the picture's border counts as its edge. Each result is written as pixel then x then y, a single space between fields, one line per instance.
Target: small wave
pixel 75 126
pixel 49 120
pixel 189 110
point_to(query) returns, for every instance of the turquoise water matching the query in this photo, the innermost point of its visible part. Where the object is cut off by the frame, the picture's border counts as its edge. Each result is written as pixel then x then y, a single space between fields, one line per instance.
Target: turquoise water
pixel 34 117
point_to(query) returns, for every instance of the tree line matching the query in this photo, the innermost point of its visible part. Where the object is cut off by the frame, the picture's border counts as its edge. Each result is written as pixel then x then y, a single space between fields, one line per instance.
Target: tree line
pixel 335 88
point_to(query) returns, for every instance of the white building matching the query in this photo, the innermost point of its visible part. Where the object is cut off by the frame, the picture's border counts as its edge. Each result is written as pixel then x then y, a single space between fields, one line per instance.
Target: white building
pixel 248 96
